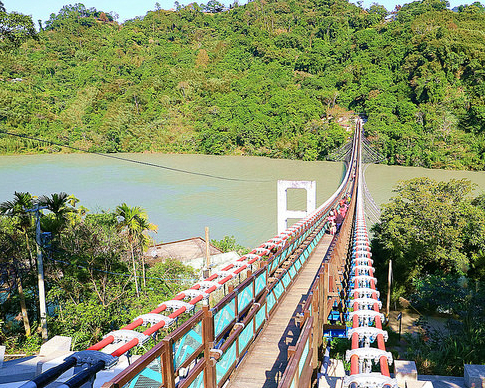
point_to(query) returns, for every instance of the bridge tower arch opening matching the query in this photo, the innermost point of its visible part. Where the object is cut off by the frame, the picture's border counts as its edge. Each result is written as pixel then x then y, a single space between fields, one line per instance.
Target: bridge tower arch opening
pixel 283 213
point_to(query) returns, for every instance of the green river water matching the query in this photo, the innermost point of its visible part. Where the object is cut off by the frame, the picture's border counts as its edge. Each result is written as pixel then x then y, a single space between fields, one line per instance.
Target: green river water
pixel 183 204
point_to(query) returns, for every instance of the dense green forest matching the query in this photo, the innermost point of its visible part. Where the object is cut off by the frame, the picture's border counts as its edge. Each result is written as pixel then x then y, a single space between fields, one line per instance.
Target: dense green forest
pixel 271 78
pixel 433 233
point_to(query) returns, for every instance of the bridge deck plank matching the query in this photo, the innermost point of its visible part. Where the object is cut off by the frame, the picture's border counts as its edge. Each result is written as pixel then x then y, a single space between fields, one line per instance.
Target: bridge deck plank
pixel 267 358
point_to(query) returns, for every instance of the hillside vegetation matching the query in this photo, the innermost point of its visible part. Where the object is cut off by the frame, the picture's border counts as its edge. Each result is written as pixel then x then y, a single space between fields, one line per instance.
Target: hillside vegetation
pixel 268 78
pixel 432 232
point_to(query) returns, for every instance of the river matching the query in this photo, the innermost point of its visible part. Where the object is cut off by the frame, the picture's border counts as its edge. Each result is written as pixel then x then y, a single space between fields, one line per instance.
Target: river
pixel 238 199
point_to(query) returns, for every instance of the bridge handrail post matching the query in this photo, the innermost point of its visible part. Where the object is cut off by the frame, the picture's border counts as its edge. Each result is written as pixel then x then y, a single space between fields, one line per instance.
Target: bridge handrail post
pixel 316 332
pixel 208 341
pixel 322 300
pixel 167 363
pixel 326 285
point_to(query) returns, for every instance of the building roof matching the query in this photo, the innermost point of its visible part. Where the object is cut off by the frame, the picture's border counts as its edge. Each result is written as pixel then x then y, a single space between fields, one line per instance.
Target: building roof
pixel 183 250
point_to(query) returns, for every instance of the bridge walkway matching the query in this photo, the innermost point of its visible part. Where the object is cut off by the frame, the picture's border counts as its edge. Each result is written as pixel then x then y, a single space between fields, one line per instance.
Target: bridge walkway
pixel 267 358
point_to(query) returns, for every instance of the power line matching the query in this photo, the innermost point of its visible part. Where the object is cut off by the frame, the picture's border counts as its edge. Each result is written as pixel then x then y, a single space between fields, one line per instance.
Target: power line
pixel 132 160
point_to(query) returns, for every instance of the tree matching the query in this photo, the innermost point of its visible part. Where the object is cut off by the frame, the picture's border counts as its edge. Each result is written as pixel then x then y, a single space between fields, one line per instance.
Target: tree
pixel 17 211
pixel 429 228
pixel 61 205
pixel 214 6
pixel 89 274
pixel 10 271
pixel 229 244
pixel 78 14
pixel 15 29
pixel 474 8
pixel 378 9
pixel 22 219
pixel 143 242
pixel 134 223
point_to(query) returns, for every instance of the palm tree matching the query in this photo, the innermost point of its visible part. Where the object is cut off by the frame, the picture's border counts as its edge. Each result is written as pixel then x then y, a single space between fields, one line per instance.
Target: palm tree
pixel 134 222
pixel 17 210
pixel 144 243
pixel 62 207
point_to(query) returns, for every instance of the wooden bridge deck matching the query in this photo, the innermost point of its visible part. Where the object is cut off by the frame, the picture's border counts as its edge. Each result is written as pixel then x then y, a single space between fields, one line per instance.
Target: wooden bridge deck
pixel 267 358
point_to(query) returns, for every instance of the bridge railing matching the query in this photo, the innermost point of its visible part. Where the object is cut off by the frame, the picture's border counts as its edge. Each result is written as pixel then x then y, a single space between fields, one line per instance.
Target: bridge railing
pixel 299 370
pixel 207 347
pixel 326 289
pixel 204 350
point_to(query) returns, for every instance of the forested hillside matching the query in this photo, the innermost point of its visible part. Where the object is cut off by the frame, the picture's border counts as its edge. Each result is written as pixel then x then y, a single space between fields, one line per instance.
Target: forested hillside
pixel 267 78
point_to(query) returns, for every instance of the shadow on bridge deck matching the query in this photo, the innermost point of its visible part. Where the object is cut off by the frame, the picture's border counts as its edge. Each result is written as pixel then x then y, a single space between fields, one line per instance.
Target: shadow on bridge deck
pixel 267 358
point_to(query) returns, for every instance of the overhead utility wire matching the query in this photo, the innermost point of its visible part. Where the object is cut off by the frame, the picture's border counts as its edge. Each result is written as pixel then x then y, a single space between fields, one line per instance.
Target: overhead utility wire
pixel 132 160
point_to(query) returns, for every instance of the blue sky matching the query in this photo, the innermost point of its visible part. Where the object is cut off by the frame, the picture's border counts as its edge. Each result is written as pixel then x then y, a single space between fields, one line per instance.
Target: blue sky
pixel 127 9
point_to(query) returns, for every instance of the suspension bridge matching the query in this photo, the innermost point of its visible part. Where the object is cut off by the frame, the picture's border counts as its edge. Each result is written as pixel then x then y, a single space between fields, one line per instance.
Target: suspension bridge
pixel 281 305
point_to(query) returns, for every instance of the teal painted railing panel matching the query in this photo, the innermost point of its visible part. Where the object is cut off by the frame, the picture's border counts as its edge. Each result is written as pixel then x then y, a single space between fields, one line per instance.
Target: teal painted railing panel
pixel 224 317
pixel 273 266
pixel 151 376
pixel 260 283
pixel 246 335
pixel 279 289
pixel 286 279
pixel 187 345
pixel 284 255
pixel 278 256
pixel 198 381
pixel 225 362
pixel 304 356
pixel 260 317
pixel 270 300
pixel 244 297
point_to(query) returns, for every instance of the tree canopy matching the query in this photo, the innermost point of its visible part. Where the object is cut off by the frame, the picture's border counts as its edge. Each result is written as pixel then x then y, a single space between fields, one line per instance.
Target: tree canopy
pixel 433 233
pixel 15 29
pixel 272 78
pixel 431 228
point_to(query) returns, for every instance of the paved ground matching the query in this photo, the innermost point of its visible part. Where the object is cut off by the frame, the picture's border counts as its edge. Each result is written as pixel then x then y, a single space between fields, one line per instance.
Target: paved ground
pixel 437 381
pixel 444 381
pixel 409 319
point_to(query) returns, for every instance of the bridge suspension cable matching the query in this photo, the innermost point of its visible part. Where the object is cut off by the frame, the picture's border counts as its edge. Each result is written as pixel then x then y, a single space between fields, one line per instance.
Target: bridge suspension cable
pixel 365 317
pixel 341 154
pixel 369 154
pixel 372 210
